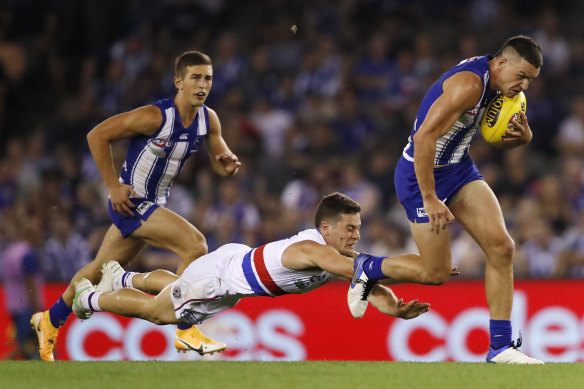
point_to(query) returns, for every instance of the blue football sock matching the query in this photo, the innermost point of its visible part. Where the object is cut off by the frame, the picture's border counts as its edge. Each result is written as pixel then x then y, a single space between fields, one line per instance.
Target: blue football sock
pixel 500 333
pixel 183 326
pixel 372 267
pixel 59 313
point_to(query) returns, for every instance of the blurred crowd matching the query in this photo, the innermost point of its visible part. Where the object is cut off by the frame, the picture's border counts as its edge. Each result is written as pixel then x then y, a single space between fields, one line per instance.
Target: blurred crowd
pixel 313 96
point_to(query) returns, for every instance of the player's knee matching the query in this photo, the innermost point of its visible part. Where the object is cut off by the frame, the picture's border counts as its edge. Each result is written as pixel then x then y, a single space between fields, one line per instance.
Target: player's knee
pixel 159 316
pixel 149 312
pixel 196 247
pixel 501 253
pixel 436 277
pixel 199 246
pixel 198 250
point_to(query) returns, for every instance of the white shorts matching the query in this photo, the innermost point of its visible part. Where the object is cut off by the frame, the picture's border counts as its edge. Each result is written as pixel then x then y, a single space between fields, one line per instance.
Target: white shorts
pixel 200 293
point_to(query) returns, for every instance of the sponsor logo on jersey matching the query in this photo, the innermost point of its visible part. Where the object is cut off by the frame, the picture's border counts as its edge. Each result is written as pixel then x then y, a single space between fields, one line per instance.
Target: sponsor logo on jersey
pixel 142 208
pixel 197 143
pixel 162 143
pixel 301 284
pixel 158 146
pixel 184 136
pixel 176 293
pixel 421 212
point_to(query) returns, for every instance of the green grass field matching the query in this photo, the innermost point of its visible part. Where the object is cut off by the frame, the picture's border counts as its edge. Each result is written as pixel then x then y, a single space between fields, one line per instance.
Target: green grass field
pixel 242 375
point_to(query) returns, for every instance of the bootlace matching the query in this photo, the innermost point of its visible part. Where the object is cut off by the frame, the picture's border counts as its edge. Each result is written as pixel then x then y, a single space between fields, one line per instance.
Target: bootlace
pixel 367 289
pixel 518 342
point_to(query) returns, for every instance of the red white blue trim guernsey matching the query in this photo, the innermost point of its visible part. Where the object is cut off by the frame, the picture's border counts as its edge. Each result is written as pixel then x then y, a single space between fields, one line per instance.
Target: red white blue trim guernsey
pixel 266 276
pixel 152 162
pixel 453 146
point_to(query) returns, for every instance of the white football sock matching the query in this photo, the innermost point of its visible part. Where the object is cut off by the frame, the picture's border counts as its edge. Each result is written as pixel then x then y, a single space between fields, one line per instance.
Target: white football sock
pixel 124 280
pixel 89 300
pixel 93 301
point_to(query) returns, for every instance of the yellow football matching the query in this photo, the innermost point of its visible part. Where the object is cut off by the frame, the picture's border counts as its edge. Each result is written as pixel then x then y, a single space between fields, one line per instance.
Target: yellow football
pixel 497 117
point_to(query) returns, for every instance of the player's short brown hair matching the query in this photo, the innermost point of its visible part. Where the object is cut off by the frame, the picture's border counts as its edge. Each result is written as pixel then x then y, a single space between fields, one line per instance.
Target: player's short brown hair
pixel 190 58
pixel 332 206
pixel 526 48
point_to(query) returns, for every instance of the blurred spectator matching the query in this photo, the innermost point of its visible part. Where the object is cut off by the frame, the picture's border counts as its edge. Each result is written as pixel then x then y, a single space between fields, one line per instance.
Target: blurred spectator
pixel 260 80
pixel 541 251
pixel 301 195
pixel 231 218
pixel 467 256
pixel 23 281
pixel 300 109
pixel 321 71
pixel 572 176
pixel 570 138
pixel 571 259
pixel 556 52
pixel 9 172
pixel 356 186
pixel 384 238
pixel 228 65
pixel 425 64
pixel 353 128
pixel 552 204
pixel 272 125
pixel 375 72
pixel 65 251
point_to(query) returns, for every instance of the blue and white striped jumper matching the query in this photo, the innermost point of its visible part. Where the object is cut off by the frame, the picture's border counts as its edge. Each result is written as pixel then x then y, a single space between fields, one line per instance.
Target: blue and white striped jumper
pixel 453 146
pixel 152 162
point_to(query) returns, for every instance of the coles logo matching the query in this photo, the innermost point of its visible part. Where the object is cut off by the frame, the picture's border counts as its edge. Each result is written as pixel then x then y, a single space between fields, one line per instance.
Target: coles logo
pixel 294 329
pixel 552 334
pixel 272 336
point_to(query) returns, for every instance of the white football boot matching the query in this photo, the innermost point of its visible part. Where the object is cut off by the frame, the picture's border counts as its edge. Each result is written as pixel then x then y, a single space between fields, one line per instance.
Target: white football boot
pixel 83 290
pixel 360 288
pixel 511 355
pixel 110 271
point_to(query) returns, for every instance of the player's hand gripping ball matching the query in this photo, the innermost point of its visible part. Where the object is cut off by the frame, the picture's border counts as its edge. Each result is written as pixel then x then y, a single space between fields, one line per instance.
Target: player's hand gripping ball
pixel 496 120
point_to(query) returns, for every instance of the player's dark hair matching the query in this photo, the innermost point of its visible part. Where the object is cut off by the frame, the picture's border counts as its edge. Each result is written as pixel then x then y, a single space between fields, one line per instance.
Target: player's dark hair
pixel 332 206
pixel 189 58
pixel 526 48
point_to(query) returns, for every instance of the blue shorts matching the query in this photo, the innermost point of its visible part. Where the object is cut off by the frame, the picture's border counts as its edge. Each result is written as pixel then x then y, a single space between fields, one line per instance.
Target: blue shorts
pixel 128 224
pixel 449 179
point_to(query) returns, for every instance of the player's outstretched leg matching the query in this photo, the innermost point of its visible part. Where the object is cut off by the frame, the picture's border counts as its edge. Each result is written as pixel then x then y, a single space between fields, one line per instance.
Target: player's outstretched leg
pixel 47 334
pixel 362 283
pixel 511 355
pixel 189 338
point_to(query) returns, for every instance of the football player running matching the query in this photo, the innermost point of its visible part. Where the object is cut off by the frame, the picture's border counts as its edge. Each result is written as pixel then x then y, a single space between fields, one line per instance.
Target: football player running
pixel 437 182
pixel 162 136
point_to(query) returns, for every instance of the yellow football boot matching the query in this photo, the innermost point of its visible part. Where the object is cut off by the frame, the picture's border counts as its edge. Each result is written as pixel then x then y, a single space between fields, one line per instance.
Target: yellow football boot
pixel 194 339
pixel 46 333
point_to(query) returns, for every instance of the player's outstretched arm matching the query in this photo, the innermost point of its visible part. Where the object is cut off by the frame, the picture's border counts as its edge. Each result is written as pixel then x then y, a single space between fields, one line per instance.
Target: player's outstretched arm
pixel 224 162
pixel 386 302
pixel 310 255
